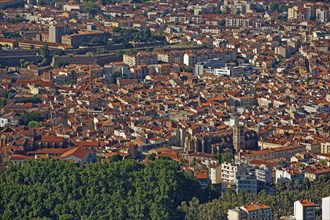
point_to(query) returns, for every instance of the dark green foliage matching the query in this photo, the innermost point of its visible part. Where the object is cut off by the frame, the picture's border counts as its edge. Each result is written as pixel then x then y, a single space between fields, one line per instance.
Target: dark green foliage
pixel 227 156
pixel 16 20
pixel 279 7
pixel 2 102
pixel 258 8
pixel 109 2
pixel 115 75
pixel 90 6
pixel 282 203
pixel 59 52
pixel 224 157
pixel 45 53
pixel 123 35
pixel 12 35
pixel 28 117
pixel 121 190
pixel 35 124
pixel 116 157
pixel 27 100
pixel 4 94
pixel 152 157
pixel 61 63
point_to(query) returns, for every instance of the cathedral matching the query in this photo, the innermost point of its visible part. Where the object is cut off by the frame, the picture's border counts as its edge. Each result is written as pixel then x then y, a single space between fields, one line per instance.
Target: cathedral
pixel 237 138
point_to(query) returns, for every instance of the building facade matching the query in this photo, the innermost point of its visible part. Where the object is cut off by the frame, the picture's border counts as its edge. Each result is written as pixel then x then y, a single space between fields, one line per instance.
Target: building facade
pixel 304 210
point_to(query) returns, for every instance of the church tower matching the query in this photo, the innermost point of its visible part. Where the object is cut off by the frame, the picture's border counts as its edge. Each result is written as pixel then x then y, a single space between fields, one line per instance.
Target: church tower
pixel 238 131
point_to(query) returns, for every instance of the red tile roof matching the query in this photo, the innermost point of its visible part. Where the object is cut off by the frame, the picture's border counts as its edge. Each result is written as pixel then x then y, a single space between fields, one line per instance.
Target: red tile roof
pixel 79 152
pixel 52 139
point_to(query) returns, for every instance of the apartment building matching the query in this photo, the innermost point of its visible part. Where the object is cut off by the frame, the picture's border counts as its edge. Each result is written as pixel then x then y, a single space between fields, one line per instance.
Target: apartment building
pixel 264 174
pixel 141 58
pixel 326 208
pixel 192 58
pixel 249 212
pixel 322 15
pixel 304 210
pixel 171 57
pixel 279 152
pixel 325 148
pixel 239 175
pixel 246 180
pixel 293 175
pixel 239 22
pixel 234 71
pixel 215 173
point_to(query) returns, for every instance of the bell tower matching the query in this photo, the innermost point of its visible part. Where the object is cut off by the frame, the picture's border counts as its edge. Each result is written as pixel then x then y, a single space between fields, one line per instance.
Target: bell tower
pixel 238 131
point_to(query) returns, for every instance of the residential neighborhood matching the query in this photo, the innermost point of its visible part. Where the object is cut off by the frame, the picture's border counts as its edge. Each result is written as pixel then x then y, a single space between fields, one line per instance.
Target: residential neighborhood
pixel 235 92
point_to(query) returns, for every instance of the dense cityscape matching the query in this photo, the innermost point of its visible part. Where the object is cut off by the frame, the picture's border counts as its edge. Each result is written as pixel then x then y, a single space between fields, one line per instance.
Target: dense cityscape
pixel 135 109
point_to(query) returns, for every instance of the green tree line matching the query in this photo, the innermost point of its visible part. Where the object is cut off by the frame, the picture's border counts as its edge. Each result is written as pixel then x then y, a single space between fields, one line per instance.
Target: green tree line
pixel 281 203
pixel 123 35
pixel 51 189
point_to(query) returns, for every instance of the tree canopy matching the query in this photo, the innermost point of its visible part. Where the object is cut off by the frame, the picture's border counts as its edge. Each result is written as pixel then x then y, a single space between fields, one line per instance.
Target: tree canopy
pixel 45 53
pixel 123 35
pixel 29 117
pixel 53 189
pixel 281 204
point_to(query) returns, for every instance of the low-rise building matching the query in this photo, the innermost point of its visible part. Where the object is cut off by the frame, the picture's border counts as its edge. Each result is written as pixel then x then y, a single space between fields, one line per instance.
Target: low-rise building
pixel 289 174
pixel 249 212
pixel 7 42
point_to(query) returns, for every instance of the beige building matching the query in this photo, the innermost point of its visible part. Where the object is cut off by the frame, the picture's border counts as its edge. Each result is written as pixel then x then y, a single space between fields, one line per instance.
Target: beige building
pixel 140 58
pixel 250 212
pixel 313 173
pixel 325 148
pixel 292 12
pixel 215 173
pixel 79 155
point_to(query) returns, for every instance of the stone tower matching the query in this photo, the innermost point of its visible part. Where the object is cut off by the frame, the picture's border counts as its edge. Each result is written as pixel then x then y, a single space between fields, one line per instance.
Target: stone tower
pixel 238 131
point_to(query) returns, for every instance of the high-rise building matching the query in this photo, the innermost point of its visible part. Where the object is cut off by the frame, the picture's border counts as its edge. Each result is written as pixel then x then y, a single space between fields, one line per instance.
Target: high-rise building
pixel 304 210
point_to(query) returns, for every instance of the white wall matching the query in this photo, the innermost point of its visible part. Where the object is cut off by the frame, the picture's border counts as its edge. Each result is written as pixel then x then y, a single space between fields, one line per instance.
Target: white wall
pixel 3 122
pixel 326 208
pixel 298 210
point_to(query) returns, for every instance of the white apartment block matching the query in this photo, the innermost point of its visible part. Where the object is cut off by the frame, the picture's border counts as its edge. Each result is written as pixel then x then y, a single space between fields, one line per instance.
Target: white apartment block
pixel 240 175
pixel 285 175
pixel 326 208
pixel 234 71
pixel 264 174
pixel 322 15
pixel 3 122
pixel 228 172
pixel 304 210
pixel 238 22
